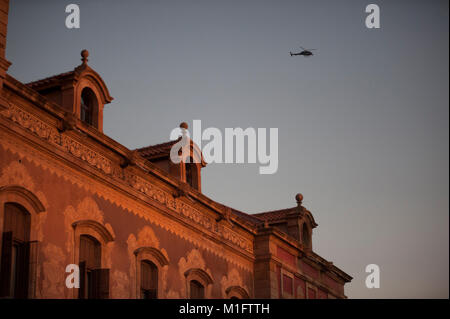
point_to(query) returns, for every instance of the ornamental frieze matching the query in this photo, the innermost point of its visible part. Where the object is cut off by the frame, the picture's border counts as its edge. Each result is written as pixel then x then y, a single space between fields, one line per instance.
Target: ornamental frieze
pixel 84 153
pixel 51 134
pixel 28 121
pixel 66 143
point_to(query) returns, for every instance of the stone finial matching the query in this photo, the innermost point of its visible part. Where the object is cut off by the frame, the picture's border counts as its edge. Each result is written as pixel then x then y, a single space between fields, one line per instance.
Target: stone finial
pixel 184 131
pixel 84 56
pixel 299 198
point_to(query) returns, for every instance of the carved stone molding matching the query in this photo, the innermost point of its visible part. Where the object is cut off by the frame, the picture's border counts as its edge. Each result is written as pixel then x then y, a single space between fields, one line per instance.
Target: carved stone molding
pixel 56 138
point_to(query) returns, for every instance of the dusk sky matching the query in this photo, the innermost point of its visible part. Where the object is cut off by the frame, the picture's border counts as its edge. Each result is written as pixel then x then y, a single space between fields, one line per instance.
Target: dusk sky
pixel 363 124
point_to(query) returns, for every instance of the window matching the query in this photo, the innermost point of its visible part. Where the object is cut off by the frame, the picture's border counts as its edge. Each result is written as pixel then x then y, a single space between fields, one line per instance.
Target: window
pixel 151 265
pixel 15 252
pixel 197 290
pixel 190 172
pixel 94 282
pixel 87 106
pixel 198 283
pixel 149 280
pixel 93 253
pixel 305 236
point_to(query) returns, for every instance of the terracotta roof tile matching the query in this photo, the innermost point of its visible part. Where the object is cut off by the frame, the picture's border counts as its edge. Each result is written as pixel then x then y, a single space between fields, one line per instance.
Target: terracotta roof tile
pixel 49 80
pixel 274 215
pixel 248 217
pixel 157 151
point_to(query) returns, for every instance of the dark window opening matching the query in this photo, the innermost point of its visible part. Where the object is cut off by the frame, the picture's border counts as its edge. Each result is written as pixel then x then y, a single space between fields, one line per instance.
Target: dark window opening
pixel 191 172
pixel 149 280
pixel 87 106
pixel 15 254
pixel 197 290
pixel 94 282
pixel 305 236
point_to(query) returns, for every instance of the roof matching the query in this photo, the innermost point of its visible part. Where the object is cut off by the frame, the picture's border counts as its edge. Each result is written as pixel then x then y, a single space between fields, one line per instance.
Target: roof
pixel 274 215
pixel 49 81
pixel 260 218
pixel 252 219
pixel 162 150
pixel 158 150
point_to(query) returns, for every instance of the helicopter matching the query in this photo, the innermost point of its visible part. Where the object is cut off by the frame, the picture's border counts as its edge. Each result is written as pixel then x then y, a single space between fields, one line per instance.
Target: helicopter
pixel 305 52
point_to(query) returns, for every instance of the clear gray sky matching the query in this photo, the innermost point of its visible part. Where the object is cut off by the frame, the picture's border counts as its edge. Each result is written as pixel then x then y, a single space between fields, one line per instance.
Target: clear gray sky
pixel 363 124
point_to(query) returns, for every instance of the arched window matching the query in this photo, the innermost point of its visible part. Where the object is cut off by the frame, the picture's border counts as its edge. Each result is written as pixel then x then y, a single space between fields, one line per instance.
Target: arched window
pixel 198 283
pixel 151 265
pixel 92 252
pixel 306 238
pixel 197 290
pixel 21 214
pixel 87 106
pixel 15 253
pixel 149 280
pixel 90 264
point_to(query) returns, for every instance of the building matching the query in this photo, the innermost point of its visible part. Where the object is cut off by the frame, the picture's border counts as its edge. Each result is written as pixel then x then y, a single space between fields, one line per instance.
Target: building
pixel 136 224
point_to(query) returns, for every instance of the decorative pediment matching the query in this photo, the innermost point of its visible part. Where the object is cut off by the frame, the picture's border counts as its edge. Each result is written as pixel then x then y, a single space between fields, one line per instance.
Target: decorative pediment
pixel 26 194
pixel 196 272
pixel 99 228
pixel 86 73
pixel 162 258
